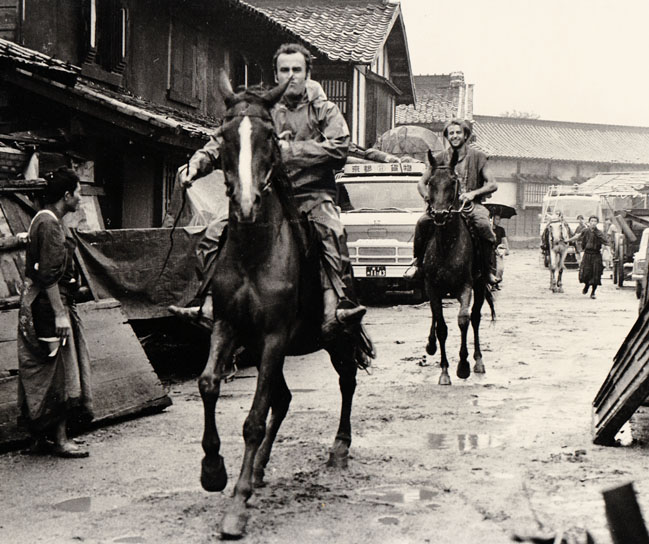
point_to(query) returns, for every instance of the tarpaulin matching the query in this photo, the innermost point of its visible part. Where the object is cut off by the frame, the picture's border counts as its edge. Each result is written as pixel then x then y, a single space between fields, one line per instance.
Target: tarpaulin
pixel 131 265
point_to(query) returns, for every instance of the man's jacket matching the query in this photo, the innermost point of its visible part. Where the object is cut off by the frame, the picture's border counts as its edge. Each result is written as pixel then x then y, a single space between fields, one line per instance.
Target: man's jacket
pixel 318 144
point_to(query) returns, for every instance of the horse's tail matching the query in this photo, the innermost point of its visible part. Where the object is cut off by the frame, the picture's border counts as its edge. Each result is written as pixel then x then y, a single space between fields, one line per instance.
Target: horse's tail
pixel 489 297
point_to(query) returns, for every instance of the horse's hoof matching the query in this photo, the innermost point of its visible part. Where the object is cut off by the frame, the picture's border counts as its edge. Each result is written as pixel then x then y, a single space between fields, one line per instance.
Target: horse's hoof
pixel 258 478
pixel 463 370
pixel 431 348
pixel 233 525
pixel 560 290
pixel 479 368
pixel 444 379
pixel 338 455
pixel 214 477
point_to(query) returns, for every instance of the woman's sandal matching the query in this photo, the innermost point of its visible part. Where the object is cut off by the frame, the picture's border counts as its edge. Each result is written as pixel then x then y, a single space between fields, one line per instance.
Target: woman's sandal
pixel 69 451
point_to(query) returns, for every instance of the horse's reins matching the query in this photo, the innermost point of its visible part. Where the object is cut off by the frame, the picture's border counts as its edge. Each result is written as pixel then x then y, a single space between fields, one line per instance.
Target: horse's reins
pixel 467 206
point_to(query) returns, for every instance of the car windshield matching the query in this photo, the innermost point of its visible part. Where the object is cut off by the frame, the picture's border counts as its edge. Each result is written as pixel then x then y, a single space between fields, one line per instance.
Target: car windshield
pixel 385 196
pixel 572 207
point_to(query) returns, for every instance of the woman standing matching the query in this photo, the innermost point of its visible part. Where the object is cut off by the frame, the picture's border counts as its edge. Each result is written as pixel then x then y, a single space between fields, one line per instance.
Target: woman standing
pixel 53 359
pixel 590 269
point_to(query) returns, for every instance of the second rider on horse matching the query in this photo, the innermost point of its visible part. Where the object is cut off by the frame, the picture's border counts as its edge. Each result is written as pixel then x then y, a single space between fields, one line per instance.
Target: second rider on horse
pixel 314 140
pixel 476 182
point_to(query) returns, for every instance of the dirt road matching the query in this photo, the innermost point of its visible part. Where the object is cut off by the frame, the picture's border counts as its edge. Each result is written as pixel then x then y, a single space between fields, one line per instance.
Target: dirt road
pixel 508 452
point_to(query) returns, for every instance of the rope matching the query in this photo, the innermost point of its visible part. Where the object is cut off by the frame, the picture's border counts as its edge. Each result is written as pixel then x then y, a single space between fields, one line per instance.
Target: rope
pixel 173 227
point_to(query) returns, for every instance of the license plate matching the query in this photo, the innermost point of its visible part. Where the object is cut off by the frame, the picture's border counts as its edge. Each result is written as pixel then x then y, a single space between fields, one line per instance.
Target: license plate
pixel 375 271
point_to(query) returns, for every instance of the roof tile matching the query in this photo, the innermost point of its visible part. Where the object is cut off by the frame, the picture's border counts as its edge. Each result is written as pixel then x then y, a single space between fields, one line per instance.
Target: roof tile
pixel 350 31
pixel 561 141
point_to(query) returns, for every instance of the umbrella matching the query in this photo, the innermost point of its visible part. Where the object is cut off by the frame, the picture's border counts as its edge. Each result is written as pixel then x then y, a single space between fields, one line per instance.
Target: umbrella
pixel 413 141
pixel 504 211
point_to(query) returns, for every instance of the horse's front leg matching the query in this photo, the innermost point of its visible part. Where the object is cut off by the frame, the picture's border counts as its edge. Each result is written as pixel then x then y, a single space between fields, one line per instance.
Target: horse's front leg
pixel 562 266
pixel 222 347
pixel 476 316
pixel 280 400
pixel 441 331
pixel 234 521
pixel 463 316
pixel 346 368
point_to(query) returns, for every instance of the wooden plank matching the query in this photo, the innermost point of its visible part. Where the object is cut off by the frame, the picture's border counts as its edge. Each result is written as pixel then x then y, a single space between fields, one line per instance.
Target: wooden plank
pixel 123 381
pixel 627 385
pixel 16 216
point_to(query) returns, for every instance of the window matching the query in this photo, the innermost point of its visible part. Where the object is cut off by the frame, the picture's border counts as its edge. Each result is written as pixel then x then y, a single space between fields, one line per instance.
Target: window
pixel 183 64
pixel 336 91
pixel 534 193
pixel 107 35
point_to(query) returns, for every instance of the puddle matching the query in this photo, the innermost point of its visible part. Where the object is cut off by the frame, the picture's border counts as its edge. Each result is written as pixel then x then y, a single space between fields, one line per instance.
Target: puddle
pixel 87 504
pixel 408 495
pixel 462 442
pixel 389 520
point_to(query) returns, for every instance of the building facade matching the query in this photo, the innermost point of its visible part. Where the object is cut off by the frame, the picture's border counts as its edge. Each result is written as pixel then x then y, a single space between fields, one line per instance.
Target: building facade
pixel 129 88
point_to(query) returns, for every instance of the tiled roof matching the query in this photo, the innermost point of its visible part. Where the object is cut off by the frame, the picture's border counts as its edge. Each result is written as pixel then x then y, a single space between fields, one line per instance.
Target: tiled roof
pixel 440 97
pixel 49 68
pixel 34 59
pixel 561 141
pixel 344 30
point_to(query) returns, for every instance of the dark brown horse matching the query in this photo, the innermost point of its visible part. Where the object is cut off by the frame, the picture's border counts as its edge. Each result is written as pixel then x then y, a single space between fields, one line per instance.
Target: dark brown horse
pixel 449 269
pixel 267 299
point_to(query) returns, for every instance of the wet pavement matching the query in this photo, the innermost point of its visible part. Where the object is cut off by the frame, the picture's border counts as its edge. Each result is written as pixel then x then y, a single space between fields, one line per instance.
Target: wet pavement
pixel 502 453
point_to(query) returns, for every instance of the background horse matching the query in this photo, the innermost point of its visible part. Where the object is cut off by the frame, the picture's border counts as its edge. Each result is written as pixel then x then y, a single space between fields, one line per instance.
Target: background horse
pixel 267 298
pixel 448 267
pixel 556 235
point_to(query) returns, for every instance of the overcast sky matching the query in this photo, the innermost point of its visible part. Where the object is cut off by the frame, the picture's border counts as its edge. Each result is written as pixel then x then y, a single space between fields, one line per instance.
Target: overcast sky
pixel 568 60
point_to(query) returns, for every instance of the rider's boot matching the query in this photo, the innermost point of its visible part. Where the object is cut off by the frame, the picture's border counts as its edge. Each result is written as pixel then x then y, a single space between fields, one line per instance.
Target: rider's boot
pixel 413 272
pixel 337 317
pixel 489 262
pixel 194 313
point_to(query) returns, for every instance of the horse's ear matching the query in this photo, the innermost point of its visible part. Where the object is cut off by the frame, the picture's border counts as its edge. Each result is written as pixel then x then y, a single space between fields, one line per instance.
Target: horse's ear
pixel 273 96
pixel 431 160
pixel 226 88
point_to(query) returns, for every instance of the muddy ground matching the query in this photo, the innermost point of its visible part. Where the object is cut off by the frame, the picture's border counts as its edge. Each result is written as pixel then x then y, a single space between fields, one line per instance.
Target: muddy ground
pixel 508 452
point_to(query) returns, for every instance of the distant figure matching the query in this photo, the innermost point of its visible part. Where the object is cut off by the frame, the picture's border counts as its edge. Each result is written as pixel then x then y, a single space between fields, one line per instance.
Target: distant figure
pixel 610 230
pixel 53 359
pixel 590 271
pixel 579 251
pixel 502 249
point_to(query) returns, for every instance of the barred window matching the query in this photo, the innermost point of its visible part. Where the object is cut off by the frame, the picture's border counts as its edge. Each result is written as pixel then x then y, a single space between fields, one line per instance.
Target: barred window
pixel 534 193
pixel 336 91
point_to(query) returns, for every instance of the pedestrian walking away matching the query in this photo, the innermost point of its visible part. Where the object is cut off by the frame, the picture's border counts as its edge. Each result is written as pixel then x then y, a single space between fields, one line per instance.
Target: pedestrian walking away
pixel 53 359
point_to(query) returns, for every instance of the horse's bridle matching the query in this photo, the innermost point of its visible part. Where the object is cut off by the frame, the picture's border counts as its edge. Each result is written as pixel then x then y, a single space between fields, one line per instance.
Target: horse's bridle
pixel 264 116
pixel 441 217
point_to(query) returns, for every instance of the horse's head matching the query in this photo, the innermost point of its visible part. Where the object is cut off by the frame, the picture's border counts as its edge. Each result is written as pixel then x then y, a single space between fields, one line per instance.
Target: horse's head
pixel 249 152
pixel 442 187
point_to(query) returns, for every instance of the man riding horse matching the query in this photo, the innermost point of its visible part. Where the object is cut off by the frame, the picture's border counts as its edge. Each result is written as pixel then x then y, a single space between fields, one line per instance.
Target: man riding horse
pixel 476 182
pixel 314 140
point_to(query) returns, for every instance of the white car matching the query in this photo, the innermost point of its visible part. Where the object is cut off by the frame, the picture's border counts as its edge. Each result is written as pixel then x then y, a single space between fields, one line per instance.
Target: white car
pixel 380 207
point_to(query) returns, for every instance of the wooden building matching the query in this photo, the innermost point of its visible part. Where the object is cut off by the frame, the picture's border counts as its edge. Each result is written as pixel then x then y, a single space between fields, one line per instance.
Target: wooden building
pixel 128 88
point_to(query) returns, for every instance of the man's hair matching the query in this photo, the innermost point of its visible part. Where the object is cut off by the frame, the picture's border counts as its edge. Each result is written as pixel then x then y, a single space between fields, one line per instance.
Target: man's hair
pixel 580 216
pixel 289 49
pixel 593 217
pixel 61 181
